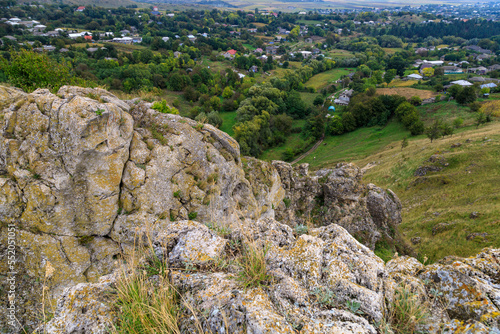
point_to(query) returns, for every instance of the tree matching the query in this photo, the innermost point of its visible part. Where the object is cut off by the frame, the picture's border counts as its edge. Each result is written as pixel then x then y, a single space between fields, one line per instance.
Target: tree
pixel 227 93
pixel 480 119
pixel 434 131
pixel 428 72
pixel 397 63
pixel 318 101
pixel 389 76
pixel 30 70
pixel 466 95
pixel 416 100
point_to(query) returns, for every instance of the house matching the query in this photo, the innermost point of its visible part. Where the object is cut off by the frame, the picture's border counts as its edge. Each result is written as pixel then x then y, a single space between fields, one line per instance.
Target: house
pixel 80 9
pixel 271 49
pixel 123 40
pixel 488 85
pixel 229 54
pixel 342 100
pixel 136 39
pixel 12 38
pixel 478 70
pixel 451 70
pixel 252 30
pixel 306 54
pixel 191 38
pixel 170 14
pixel 477 49
pixel 424 66
pixel 421 50
pixel 125 32
pixel 92 50
pixel 495 67
pixel 177 54
pixel 478 79
pixel 482 57
pixel 302 13
pixel 39 27
pixel 258 50
pixel 462 83
pixel 63 50
pixel 87 37
pixel 415 77
pixel 308 40
pixel 253 69
pixel 165 39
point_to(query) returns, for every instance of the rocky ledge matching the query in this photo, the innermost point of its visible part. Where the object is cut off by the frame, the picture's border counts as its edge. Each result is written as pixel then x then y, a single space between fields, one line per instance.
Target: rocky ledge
pixel 83 174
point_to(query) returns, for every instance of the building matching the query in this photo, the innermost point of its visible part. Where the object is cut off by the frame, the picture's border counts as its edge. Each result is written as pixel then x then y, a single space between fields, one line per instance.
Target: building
pixel 452 70
pixel 230 54
pixel 462 83
pixel 123 40
pixel 415 77
pixel 478 70
pixel 80 9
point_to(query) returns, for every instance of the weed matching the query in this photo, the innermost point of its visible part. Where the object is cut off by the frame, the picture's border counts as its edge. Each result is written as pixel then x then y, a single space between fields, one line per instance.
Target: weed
pixel 213 178
pixel 37 176
pixel 177 194
pixel 99 111
pixel 192 215
pixel 221 230
pixel 253 268
pixel 406 312
pixel 301 229
pixel 325 297
pixel 287 202
pixel 354 307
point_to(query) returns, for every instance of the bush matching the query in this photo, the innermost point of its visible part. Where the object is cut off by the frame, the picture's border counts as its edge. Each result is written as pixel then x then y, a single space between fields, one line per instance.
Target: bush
pixel 416 100
pixel 30 70
pixel 161 106
pixel 475 106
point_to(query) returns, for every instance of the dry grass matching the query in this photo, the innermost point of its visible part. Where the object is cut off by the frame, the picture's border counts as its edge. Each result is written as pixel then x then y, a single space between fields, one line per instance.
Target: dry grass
pixel 253 267
pixel 406 92
pixel 492 107
pixel 469 183
pixel 406 312
pixel 401 83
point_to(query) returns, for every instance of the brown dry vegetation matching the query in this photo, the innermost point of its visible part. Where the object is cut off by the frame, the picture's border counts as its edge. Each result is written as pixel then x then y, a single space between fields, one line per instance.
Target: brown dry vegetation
pixel 406 92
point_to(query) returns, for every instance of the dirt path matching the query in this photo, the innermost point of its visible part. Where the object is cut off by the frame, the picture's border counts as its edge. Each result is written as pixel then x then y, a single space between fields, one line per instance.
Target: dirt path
pixel 303 155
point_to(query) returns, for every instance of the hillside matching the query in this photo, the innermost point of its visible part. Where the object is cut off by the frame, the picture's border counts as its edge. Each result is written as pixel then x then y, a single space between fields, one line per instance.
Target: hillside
pixel 147 222
pixel 438 206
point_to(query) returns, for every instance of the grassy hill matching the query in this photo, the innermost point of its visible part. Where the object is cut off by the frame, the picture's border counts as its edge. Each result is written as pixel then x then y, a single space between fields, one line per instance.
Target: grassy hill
pixel 438 207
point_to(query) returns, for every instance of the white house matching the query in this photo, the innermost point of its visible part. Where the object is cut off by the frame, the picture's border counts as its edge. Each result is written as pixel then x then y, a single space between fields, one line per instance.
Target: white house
pixel 462 83
pixel 415 77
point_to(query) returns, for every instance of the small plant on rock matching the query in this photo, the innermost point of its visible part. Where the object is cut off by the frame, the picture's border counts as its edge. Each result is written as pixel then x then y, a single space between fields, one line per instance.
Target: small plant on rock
pixel 253 267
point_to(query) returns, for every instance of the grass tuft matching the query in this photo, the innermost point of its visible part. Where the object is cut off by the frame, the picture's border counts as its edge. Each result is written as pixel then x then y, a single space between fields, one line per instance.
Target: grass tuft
pixel 253 267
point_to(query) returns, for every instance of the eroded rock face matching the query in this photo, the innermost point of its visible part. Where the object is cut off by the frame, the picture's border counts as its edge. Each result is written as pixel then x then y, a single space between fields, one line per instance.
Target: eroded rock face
pixel 86 177
pixel 79 181
pixel 337 196
pixel 326 282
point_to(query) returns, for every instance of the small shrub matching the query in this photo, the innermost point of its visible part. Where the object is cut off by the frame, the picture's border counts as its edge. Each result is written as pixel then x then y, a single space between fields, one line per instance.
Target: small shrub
pixel 287 202
pixel 325 297
pixel 192 215
pixel 301 229
pixel 177 194
pixel 253 267
pixel 161 106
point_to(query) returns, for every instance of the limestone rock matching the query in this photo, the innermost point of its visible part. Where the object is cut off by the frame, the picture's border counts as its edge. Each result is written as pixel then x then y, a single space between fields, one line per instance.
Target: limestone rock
pixel 338 196
pixel 84 308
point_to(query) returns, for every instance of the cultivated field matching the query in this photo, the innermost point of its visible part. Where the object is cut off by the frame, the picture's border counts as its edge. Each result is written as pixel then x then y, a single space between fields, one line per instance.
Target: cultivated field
pixel 406 92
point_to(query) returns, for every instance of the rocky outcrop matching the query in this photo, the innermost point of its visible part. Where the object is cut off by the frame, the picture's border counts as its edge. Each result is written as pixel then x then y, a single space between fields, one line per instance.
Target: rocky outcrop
pixel 337 196
pixel 85 178
pixel 323 282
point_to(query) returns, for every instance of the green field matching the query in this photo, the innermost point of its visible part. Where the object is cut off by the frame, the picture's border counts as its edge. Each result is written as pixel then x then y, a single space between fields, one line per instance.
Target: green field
pixel 356 145
pixel 321 80
pixel 338 53
pixel 228 120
